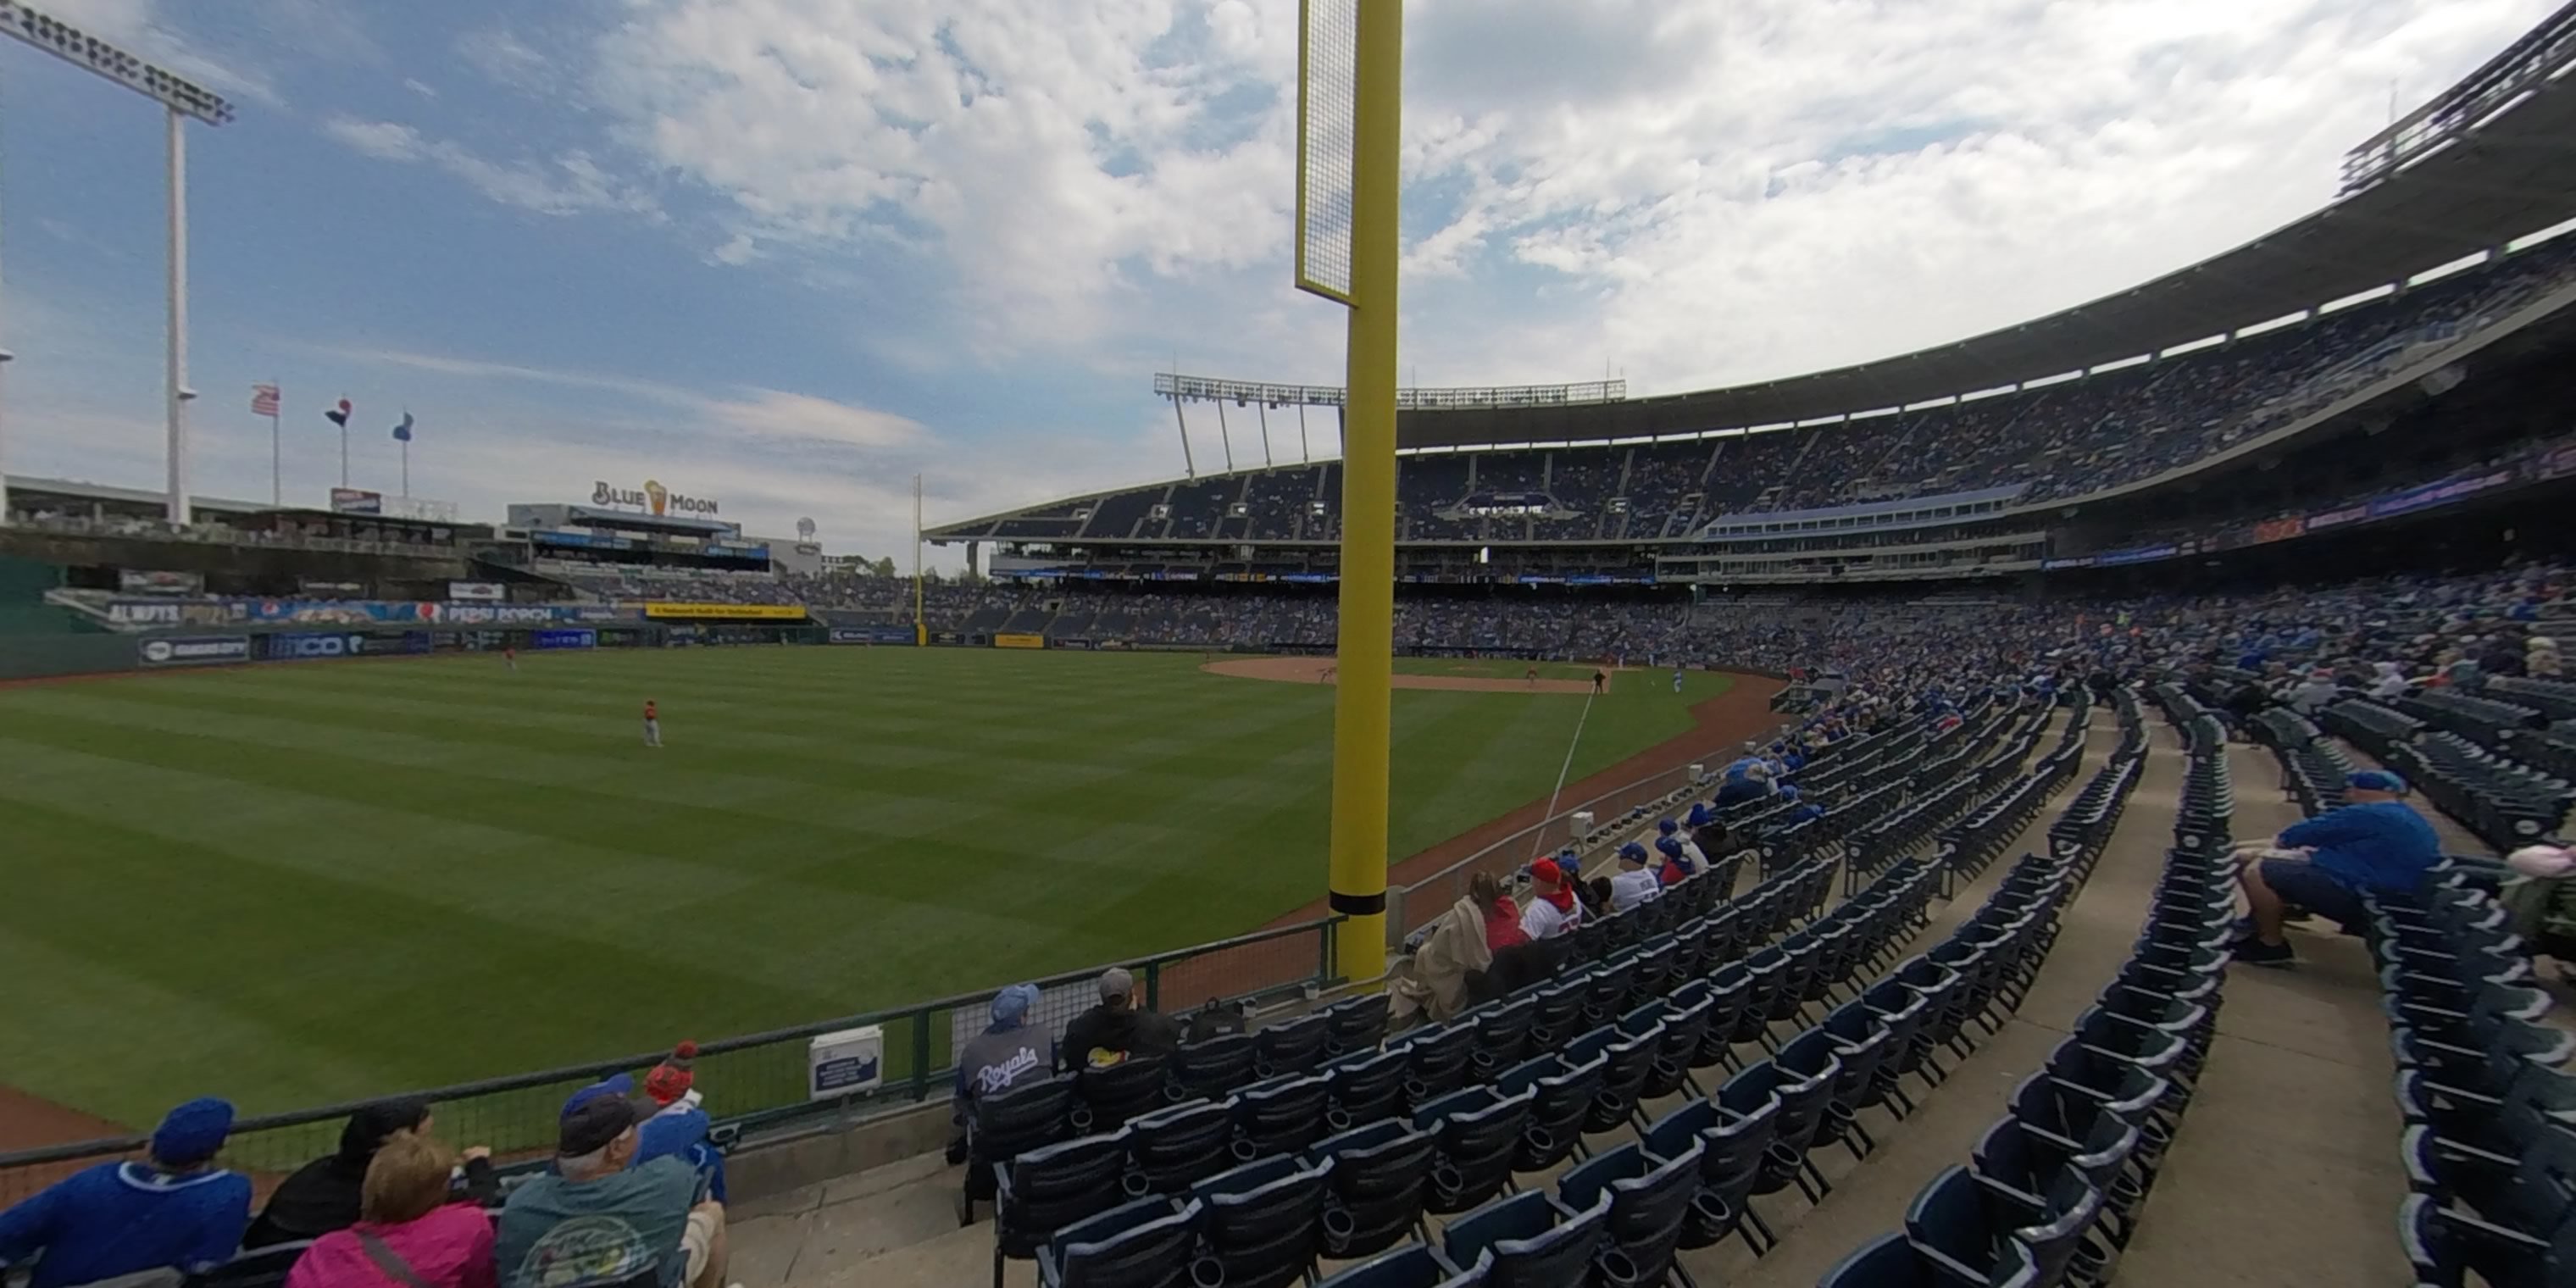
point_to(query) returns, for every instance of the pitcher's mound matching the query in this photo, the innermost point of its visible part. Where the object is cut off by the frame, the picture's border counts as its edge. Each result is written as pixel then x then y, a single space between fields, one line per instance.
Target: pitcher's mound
pixel 1318 670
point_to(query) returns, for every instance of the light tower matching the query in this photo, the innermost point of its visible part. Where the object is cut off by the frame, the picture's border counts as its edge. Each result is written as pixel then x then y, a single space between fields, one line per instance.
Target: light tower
pixel 180 98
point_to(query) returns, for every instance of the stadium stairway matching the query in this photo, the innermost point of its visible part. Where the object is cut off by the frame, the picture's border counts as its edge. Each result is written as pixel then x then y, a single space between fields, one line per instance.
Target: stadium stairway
pixel 2285 1172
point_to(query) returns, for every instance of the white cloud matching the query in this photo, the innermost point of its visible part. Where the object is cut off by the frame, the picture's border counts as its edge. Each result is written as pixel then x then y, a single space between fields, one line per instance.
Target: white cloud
pixel 1053 175
pixel 507 60
pixel 420 87
pixel 570 183
pixel 1702 191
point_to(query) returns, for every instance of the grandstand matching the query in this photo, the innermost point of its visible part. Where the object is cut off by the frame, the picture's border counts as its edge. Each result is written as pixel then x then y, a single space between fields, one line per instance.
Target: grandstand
pixel 1953 998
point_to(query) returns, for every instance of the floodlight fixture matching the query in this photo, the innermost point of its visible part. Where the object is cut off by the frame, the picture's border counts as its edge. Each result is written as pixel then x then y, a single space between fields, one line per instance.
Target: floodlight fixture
pixel 181 99
pixel 79 48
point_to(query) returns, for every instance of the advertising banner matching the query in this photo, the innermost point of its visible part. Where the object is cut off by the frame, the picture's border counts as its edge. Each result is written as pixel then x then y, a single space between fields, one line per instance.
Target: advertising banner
pixel 200 650
pixel 2337 518
pixel 164 612
pixel 1080 644
pixel 477 592
pixel 131 581
pixel 305 647
pixel 2279 529
pixel 2432 494
pixel 563 638
pixel 666 610
pixel 350 500
pixel 947 639
pixel 1019 641
pixel 872 635
pixel 2141 554
pixel 844 1063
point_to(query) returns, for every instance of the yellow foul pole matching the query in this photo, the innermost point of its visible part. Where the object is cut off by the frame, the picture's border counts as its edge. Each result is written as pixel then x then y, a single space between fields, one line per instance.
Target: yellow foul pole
pixel 1367 643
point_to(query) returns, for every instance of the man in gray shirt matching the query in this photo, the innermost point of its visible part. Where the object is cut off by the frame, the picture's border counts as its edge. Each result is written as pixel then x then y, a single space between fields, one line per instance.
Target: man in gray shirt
pixel 596 1221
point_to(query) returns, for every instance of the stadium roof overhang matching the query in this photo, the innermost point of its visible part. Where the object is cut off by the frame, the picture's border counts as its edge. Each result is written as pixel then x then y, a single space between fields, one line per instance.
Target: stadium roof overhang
pixel 2515 174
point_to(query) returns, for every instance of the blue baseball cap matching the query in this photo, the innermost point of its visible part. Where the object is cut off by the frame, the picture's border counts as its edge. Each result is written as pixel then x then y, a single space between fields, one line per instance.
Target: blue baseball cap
pixel 1671 848
pixel 2375 780
pixel 1633 852
pixel 1667 827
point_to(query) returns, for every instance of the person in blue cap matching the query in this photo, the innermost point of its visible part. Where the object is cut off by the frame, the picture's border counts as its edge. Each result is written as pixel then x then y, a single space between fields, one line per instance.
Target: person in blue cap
pixel 175 1210
pixel 2376 842
pixel 1008 1050
pixel 601 1217
pixel 1635 884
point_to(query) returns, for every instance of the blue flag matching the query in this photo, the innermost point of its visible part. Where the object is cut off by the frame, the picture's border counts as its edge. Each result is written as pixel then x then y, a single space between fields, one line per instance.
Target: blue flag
pixel 402 432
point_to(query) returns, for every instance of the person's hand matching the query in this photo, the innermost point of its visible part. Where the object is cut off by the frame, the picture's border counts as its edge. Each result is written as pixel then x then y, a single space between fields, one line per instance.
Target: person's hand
pixel 710 1207
pixel 477 1153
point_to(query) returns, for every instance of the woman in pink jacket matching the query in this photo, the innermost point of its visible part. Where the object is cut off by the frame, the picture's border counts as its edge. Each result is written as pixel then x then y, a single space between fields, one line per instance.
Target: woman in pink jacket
pixel 408 1235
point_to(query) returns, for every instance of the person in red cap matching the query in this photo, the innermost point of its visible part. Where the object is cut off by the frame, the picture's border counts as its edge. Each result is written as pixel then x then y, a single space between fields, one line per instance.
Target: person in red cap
pixel 1552 908
pixel 671 1123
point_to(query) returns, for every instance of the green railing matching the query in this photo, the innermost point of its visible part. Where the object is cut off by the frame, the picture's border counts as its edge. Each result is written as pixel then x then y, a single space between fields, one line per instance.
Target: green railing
pixel 755 1084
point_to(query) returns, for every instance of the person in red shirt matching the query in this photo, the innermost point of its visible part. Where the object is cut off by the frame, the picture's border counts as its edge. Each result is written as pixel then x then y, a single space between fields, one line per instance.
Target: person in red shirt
pixel 652 724
pixel 511 656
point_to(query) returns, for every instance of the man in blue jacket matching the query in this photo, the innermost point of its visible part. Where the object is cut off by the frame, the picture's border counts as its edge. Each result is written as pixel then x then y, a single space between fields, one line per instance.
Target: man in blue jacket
pixel 2377 843
pixel 176 1210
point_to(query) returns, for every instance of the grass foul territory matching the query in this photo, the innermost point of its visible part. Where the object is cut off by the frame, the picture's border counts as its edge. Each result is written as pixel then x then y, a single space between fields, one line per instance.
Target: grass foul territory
pixel 301 883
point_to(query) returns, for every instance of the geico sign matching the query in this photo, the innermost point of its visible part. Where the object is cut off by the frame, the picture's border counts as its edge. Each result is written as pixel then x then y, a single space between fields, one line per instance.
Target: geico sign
pixel 304 646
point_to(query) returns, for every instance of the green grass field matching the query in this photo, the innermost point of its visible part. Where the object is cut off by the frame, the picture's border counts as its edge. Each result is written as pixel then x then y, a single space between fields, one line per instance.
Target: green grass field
pixel 307 883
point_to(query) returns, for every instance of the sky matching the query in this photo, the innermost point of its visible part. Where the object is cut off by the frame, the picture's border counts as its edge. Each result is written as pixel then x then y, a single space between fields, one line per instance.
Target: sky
pixel 789 253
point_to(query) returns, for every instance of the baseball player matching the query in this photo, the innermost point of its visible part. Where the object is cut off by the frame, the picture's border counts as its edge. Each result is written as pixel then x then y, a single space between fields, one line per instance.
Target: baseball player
pixel 510 657
pixel 652 724
pixel 1677 679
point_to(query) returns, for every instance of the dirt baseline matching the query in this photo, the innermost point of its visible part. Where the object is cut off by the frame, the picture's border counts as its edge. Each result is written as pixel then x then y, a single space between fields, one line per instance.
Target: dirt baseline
pixel 1311 670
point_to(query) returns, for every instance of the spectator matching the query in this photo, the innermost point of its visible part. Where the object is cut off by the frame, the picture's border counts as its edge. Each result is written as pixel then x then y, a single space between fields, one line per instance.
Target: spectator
pixel 2374 843
pixel 324 1195
pixel 1752 785
pixel 1502 916
pixel 175 1210
pixel 1677 866
pixel 594 1219
pixel 1552 909
pixel 1117 1028
pixel 1433 983
pixel 673 1123
pixel 1006 1051
pixel 408 1233
pixel 1635 885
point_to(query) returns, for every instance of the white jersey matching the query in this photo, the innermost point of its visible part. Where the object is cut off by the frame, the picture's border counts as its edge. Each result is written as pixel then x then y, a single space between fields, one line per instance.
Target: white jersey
pixel 1542 920
pixel 1629 889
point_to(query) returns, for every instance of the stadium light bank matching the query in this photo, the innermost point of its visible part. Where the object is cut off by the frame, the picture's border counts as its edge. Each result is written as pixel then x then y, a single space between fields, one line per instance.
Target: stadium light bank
pixel 180 98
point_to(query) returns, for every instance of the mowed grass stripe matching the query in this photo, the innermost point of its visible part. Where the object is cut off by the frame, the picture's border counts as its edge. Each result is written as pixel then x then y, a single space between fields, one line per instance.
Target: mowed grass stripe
pixel 830 831
pixel 369 989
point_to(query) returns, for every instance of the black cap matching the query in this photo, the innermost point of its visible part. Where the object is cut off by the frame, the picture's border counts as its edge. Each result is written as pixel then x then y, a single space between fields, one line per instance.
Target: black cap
pixel 588 1127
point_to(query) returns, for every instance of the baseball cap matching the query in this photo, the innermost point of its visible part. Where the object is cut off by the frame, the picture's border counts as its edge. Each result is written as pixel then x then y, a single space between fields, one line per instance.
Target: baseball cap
pixel 1667 827
pixel 1116 985
pixel 1632 853
pixel 594 1116
pixel 1545 872
pixel 2375 780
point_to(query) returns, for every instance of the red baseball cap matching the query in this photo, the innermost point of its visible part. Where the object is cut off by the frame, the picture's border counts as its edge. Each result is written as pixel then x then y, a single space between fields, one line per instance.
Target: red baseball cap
pixel 1545 872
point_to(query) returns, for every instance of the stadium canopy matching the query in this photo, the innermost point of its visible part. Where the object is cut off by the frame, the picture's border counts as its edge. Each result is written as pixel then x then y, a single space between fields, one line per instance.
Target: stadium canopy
pixel 2494 181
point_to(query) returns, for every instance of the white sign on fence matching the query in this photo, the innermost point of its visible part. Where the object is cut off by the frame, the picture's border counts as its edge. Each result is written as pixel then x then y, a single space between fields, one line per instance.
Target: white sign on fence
pixel 844 1063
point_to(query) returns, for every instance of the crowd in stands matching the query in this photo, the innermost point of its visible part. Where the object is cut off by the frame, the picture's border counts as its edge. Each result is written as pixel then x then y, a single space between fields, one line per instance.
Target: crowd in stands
pixel 634 1194
pixel 622 582
pixel 2062 439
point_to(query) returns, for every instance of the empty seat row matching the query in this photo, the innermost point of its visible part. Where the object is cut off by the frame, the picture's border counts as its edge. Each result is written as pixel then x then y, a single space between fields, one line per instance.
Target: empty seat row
pixel 2490 1137
pixel 2053 1188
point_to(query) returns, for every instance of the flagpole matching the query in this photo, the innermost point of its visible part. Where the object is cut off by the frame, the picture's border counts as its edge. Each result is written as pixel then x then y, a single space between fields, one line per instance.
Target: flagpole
pixel 276 453
pixel 344 451
pixel 406 469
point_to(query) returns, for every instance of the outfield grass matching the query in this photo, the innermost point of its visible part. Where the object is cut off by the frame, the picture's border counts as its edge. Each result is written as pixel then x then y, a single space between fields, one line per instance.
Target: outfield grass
pixel 306 883
pixel 1489 668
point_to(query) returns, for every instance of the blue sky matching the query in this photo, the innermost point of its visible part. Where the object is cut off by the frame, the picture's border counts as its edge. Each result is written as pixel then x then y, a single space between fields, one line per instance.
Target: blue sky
pixel 786 253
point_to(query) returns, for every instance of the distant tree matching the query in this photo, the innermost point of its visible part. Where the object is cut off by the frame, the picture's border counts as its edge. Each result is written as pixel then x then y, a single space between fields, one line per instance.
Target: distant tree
pixel 885 567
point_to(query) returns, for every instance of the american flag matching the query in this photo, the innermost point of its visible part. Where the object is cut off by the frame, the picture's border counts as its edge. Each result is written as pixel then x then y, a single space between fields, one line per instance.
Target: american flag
pixel 263 400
